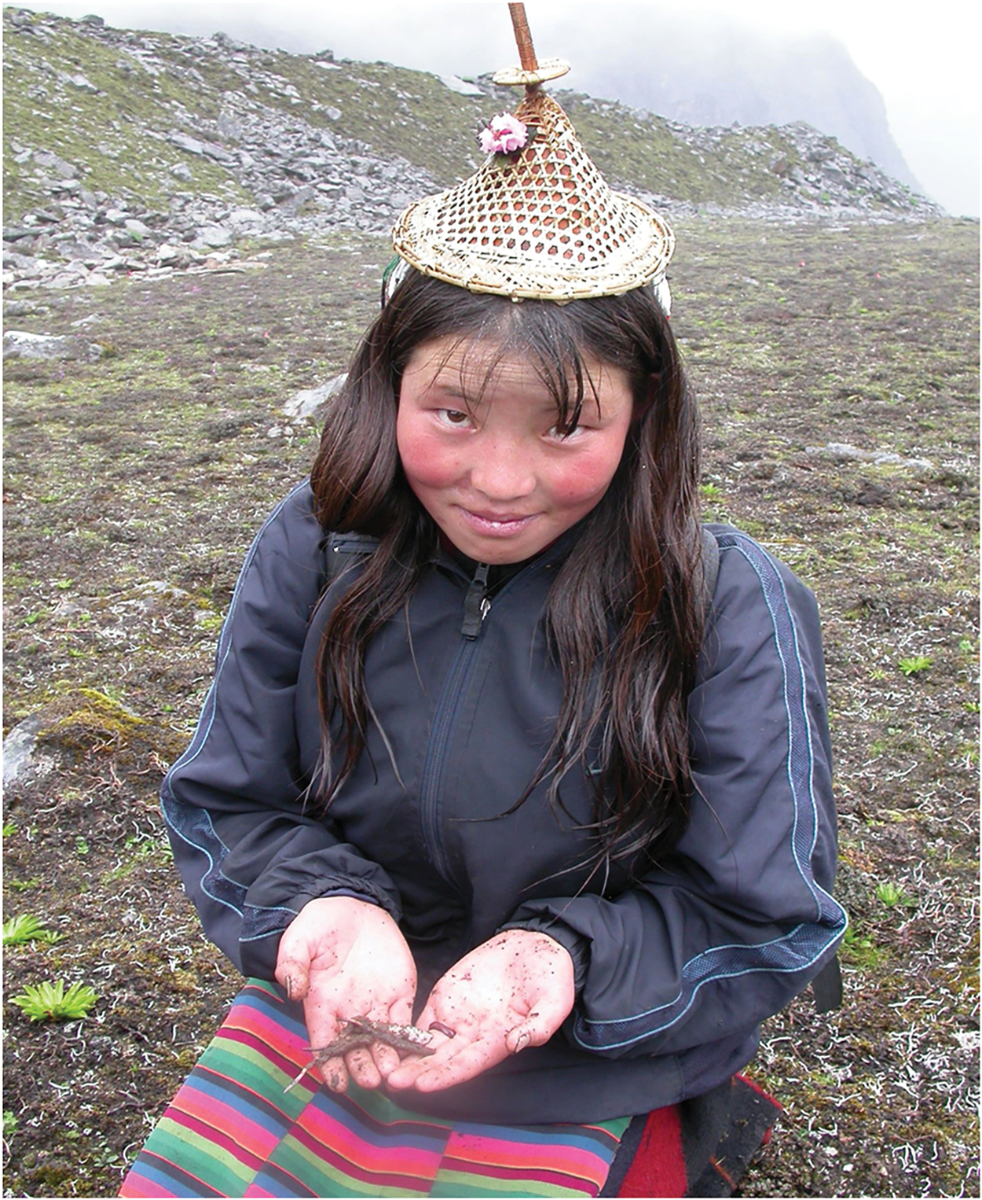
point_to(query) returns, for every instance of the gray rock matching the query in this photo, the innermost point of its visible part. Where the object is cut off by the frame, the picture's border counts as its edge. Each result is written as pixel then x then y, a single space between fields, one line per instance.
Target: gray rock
pixel 311 403
pixel 183 142
pixel 218 153
pixel 229 126
pixel 82 83
pixel 245 217
pixel 845 452
pixel 461 86
pixel 213 236
pixel 20 344
pixel 52 162
pixel 18 749
pixel 18 262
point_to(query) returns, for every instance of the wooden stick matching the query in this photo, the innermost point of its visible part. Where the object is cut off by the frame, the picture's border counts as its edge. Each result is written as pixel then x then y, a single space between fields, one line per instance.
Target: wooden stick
pixel 526 51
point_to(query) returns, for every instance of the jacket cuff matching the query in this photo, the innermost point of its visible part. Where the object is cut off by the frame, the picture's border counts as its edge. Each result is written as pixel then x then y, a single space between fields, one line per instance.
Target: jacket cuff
pixel 262 928
pixel 577 946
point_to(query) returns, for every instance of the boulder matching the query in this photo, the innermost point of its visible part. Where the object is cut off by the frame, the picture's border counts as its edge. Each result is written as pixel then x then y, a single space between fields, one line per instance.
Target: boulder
pixel 311 403
pixel 20 344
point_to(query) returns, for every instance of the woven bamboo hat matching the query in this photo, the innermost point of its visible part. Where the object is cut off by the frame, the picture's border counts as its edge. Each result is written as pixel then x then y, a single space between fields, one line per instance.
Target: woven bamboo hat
pixel 538 220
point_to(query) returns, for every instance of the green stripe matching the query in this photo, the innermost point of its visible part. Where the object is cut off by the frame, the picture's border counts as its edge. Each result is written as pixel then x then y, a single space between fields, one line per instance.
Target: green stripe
pixel 325 1180
pixel 216 1167
pixel 462 1183
pixel 249 1067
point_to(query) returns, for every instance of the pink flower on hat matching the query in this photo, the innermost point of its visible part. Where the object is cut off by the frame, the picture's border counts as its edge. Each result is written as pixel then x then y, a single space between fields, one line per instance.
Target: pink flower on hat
pixel 504 135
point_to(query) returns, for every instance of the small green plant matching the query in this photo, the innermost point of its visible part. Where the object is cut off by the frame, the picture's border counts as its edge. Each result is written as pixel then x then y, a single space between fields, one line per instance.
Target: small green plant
pixel 893 896
pixel 971 706
pixel 9 1124
pixel 52 1002
pixel 859 949
pixel 9 828
pixel 18 931
pixel 711 491
pixel 81 846
pixel 915 664
pixel 23 885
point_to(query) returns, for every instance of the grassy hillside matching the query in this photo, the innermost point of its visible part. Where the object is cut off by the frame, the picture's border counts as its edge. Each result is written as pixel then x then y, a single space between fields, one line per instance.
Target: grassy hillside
pixel 107 100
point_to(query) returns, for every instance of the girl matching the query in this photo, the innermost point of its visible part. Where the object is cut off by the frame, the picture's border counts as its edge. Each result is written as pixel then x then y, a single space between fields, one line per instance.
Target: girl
pixel 483 760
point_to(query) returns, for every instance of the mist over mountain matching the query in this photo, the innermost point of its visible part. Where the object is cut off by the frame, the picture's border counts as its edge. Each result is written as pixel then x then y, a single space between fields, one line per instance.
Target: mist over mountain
pixel 709 70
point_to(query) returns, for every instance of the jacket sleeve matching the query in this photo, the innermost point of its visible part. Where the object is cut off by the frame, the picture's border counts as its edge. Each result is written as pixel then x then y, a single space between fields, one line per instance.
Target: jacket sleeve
pixel 740 918
pixel 248 851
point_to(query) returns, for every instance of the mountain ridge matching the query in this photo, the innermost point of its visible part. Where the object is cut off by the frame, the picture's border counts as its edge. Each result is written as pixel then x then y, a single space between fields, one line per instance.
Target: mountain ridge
pixel 126 149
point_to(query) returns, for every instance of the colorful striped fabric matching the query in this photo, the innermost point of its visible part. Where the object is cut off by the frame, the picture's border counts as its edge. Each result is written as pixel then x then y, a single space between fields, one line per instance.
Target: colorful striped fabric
pixel 232 1130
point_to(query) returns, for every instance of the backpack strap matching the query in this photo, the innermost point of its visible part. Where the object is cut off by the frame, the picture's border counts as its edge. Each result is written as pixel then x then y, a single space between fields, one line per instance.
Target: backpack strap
pixel 827 987
pixel 341 550
pixel 710 568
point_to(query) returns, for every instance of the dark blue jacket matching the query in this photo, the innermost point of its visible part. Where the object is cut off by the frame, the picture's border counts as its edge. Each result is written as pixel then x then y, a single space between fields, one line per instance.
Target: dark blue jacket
pixel 675 972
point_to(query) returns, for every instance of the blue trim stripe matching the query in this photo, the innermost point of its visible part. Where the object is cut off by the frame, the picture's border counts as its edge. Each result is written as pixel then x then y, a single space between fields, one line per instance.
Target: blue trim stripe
pixel 207 717
pixel 803 946
pixel 193 825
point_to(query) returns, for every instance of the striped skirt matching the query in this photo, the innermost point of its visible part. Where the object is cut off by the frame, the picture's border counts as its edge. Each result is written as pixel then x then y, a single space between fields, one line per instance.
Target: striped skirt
pixel 232 1130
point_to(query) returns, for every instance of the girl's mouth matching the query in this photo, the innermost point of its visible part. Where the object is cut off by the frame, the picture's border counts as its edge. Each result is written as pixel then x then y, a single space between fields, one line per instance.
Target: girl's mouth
pixel 496 524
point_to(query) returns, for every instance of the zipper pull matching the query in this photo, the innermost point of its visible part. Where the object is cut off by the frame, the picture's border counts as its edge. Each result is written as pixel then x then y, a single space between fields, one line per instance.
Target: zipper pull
pixel 476 603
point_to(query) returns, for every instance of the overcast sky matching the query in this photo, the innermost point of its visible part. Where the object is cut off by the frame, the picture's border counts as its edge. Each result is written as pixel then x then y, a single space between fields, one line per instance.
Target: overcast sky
pixel 924 59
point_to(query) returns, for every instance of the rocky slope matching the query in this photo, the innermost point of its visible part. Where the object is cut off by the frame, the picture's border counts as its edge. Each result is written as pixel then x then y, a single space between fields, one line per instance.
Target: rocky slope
pixel 132 151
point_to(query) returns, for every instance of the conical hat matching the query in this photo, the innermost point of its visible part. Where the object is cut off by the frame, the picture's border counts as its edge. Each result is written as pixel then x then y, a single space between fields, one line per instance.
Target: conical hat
pixel 541 223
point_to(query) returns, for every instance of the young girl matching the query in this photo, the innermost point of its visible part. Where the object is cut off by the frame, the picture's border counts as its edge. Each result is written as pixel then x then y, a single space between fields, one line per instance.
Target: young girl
pixel 488 758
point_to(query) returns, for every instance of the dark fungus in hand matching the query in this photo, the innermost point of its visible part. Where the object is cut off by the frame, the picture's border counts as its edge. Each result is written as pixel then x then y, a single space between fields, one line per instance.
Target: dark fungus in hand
pixel 360 1031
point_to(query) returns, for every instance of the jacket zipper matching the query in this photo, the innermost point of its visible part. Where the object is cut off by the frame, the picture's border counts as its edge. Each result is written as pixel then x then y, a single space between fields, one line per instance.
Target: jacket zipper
pixel 476 608
pixel 477 605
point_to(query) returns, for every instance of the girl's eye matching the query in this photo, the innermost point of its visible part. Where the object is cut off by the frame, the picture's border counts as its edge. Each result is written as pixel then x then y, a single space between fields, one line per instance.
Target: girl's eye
pixel 564 434
pixel 453 417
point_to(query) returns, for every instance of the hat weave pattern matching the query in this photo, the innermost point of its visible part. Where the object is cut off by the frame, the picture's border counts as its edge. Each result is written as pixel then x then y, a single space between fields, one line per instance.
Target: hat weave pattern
pixel 542 224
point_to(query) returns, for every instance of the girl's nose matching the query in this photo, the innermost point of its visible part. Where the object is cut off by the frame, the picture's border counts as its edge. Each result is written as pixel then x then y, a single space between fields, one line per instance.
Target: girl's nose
pixel 502 471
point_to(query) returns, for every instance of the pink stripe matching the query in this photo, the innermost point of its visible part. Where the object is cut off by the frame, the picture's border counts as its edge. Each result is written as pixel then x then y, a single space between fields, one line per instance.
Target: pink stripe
pixel 362 1152
pixel 263 1100
pixel 205 1119
pixel 506 1153
pixel 559 1178
pixel 291 1051
pixel 328 1156
pixel 142 1187
pixel 228 1119
pixel 249 1019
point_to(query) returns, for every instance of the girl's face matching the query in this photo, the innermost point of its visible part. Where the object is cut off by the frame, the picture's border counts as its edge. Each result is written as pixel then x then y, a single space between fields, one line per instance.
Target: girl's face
pixel 485 459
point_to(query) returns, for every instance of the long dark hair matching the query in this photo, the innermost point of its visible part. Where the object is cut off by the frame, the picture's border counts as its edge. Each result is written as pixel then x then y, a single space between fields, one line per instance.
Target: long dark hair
pixel 626 608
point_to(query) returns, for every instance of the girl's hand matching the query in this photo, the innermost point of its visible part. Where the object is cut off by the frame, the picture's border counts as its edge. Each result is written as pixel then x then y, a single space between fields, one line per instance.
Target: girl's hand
pixel 346 958
pixel 511 992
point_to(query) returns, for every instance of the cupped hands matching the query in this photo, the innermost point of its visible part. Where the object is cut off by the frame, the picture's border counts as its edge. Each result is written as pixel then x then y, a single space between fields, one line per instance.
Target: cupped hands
pixel 346 958
pixel 513 991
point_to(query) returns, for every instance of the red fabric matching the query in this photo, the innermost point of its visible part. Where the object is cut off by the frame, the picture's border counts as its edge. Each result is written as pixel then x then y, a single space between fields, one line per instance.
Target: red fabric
pixel 658 1168
pixel 759 1090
